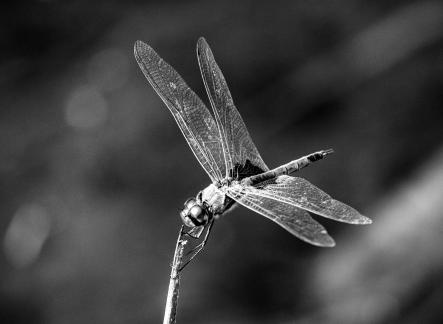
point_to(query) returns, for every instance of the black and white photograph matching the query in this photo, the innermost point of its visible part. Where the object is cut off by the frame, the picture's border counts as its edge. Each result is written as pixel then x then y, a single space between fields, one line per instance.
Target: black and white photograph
pixel 221 162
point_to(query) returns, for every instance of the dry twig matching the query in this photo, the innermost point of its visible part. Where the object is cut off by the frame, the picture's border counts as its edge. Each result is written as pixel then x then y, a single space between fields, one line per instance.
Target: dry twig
pixel 174 282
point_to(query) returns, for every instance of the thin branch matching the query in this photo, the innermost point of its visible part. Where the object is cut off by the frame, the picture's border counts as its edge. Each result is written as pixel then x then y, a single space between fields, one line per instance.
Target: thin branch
pixel 174 282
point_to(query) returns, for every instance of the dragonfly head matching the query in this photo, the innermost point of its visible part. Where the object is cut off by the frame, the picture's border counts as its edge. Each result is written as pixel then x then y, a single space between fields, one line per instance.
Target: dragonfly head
pixel 194 214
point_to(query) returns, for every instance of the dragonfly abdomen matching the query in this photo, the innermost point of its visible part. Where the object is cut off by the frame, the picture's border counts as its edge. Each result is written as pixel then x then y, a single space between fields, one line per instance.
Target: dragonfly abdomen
pixel 287 168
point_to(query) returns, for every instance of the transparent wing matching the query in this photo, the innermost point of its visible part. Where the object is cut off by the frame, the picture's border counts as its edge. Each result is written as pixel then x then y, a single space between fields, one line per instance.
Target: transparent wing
pixel 303 194
pixel 241 156
pixel 192 116
pixel 296 221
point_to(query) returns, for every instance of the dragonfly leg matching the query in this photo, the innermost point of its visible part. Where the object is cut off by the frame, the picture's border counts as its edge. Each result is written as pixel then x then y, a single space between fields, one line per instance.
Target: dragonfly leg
pixel 189 234
pixel 196 250
pixel 195 232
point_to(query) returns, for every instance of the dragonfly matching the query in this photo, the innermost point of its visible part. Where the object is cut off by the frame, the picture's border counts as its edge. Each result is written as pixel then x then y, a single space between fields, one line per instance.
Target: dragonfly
pixel 239 176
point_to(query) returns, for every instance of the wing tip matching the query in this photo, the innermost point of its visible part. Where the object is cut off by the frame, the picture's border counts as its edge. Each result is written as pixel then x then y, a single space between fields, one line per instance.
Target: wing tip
pixel 138 46
pixel 363 220
pixel 324 241
pixel 356 220
pixel 331 245
pixel 328 242
pixel 138 43
pixel 202 45
pixel 367 221
pixel 201 40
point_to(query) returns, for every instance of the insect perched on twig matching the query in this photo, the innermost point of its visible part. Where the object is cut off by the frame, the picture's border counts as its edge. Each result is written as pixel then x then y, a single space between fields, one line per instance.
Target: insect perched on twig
pixel 222 145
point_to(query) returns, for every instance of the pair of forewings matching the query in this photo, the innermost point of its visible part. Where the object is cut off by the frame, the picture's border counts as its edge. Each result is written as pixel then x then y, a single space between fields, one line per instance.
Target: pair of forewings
pixel 225 149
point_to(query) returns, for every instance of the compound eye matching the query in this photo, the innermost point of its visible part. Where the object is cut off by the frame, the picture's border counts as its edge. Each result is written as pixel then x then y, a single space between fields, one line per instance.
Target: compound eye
pixel 196 212
pixel 185 218
pixel 190 202
pixel 198 215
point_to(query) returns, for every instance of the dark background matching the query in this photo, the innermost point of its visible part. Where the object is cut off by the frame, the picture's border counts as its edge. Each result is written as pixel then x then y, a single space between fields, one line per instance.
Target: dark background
pixel 93 169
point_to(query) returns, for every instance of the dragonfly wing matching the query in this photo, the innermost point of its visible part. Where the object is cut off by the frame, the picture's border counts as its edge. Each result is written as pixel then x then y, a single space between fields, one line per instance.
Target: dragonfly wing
pixel 241 156
pixel 295 220
pixel 303 194
pixel 190 113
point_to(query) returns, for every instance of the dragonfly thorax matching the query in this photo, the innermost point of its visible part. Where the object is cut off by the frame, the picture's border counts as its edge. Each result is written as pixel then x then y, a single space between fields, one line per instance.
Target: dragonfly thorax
pixel 194 213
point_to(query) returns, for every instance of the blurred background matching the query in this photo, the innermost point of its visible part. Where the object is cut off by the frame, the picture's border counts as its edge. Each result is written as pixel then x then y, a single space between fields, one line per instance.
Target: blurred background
pixel 93 169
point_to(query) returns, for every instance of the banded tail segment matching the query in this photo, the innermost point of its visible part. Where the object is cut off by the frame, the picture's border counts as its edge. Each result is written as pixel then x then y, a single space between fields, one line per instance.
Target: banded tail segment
pixel 287 168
